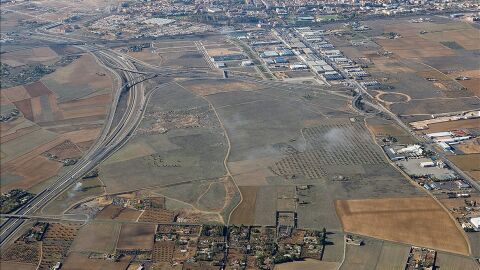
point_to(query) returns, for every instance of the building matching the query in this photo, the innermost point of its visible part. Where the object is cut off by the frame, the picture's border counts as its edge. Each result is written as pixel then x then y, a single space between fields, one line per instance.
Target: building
pixel 298 66
pixel 247 63
pixel 476 222
pixel 267 54
pixel 280 60
pixel 221 65
pixel 427 164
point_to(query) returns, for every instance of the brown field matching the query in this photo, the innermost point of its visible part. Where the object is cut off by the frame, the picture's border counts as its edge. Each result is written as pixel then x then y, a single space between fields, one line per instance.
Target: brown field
pixel 383 130
pixel 17 266
pixel 33 172
pixel 245 212
pixel 473 85
pixel 25 106
pixel 98 100
pixel 59 231
pixel 89 69
pixel 97 237
pixel 157 216
pixel 251 172
pixel 307 264
pixel 462 36
pixel 216 51
pixel 148 57
pixel 37 89
pixel 65 150
pixel 14 94
pixel 27 56
pixel 469 147
pixel 84 135
pixel 84 112
pixel 415 47
pixel 416 221
pixel 136 236
pixel 21 253
pixel 118 213
pixel 12 134
pixel 208 88
pixel 389 65
pixel 468 163
pixel 77 261
pixel 451 125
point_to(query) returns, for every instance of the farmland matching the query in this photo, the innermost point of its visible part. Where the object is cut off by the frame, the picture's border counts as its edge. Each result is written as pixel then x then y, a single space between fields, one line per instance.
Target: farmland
pixel 402 220
pixel 376 254
pixel 96 237
pixel 136 236
pixel 60 114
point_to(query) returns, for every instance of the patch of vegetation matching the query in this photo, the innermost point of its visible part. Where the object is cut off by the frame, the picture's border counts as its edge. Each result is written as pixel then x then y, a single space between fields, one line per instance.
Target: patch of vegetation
pixel 14 76
pixel 14 199
pixel 452 45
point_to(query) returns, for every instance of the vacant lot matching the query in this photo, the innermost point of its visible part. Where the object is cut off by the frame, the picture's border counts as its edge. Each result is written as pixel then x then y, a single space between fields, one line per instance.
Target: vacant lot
pixel 418 221
pixel 245 212
pixel 307 264
pixel 136 236
pixel 207 87
pixel 470 147
pixel 376 255
pixel 385 130
pixel 16 266
pixel 118 213
pixel 78 261
pixel 96 237
pixel 415 47
pixel 451 125
pixel 469 163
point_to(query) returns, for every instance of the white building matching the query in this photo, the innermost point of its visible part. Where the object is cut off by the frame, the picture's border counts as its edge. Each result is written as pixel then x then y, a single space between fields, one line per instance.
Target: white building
pixel 476 222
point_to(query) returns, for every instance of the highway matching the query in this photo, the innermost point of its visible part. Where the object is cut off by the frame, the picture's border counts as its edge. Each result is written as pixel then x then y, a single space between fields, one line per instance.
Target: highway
pixel 109 141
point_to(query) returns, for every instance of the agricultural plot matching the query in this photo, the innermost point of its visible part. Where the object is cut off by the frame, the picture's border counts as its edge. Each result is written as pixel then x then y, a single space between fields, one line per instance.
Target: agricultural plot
pixel 68 86
pixel 29 56
pixel 114 212
pixel 21 254
pixel 136 236
pixel 48 126
pixel 157 216
pixel 244 213
pixel 79 261
pixel 331 144
pixel 448 261
pixel 56 243
pixel 16 266
pixel 377 255
pixel 96 237
pixel 403 220
pixel 308 264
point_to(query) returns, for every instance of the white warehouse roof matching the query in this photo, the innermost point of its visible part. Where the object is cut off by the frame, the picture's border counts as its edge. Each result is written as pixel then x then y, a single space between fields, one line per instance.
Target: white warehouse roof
pixel 476 222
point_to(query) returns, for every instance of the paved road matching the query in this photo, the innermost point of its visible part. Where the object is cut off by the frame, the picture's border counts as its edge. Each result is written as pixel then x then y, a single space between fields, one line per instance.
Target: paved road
pixel 106 144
